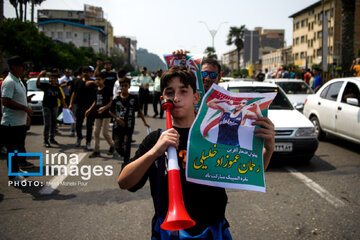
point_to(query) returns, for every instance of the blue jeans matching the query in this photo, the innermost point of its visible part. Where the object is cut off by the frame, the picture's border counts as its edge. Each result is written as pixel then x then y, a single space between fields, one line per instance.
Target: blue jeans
pixel 50 121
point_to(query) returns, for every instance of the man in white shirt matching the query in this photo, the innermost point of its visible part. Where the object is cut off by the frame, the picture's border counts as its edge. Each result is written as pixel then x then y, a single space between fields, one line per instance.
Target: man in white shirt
pixel 144 93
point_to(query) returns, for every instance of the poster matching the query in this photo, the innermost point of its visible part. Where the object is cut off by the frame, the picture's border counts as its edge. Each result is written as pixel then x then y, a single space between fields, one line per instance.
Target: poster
pixel 222 149
pixel 192 63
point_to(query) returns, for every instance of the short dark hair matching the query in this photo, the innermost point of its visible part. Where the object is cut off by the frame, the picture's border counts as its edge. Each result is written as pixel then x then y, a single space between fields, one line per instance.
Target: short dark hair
pixel 84 69
pixel 101 75
pixel 15 61
pixel 122 73
pixel 186 76
pixel 126 80
pixel 107 62
pixel 212 61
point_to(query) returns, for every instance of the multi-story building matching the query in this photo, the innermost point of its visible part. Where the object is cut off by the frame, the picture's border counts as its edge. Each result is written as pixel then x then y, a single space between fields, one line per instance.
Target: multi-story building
pixel 256 44
pixel 308 33
pixel 273 60
pixel 80 27
pixel 129 45
pixel 230 59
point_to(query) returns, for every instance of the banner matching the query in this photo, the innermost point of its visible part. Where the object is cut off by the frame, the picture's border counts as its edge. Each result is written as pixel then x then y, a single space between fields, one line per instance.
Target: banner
pixel 192 63
pixel 222 149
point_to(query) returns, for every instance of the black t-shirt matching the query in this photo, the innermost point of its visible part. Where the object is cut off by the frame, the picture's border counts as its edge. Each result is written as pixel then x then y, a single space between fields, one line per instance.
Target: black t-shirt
pixel 102 99
pixel 205 204
pixel 85 95
pixel 110 78
pixel 51 94
pixel 261 77
pixel 125 109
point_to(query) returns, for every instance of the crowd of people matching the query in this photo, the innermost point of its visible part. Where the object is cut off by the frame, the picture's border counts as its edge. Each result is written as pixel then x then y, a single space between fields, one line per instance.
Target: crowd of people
pixel 99 95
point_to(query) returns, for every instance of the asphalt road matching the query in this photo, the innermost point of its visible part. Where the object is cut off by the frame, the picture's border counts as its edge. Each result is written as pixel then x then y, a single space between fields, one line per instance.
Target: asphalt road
pixel 320 200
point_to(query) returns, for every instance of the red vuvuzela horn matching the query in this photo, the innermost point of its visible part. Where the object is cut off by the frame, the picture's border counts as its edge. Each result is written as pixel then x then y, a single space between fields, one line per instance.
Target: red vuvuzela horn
pixel 177 217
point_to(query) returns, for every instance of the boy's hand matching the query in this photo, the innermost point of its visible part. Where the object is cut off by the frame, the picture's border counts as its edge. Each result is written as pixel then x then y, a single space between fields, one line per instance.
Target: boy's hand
pixel 101 110
pixel 266 131
pixel 168 138
pixel 87 113
pixel 121 122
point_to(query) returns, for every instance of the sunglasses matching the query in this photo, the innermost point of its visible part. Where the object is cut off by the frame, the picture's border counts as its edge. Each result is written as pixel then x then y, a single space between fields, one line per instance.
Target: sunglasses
pixel 212 75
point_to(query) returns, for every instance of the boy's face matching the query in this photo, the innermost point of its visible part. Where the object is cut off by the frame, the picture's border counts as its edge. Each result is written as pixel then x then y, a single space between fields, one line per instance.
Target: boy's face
pixel 208 81
pixel 99 81
pixel 183 97
pixel 124 87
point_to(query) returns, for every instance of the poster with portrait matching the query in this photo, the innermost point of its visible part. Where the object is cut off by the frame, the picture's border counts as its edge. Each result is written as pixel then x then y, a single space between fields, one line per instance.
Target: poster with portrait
pixel 222 148
pixel 191 62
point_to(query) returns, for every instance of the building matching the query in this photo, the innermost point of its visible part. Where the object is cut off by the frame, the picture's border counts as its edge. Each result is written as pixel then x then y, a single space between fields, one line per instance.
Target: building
pixel 80 27
pixel 257 43
pixel 79 34
pixel 230 59
pixel 308 33
pixel 273 60
pixel 130 46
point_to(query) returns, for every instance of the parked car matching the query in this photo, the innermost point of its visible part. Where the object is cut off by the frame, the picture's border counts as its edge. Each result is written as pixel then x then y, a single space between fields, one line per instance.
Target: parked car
pixel 335 109
pixel 296 90
pixel 38 95
pixel 295 135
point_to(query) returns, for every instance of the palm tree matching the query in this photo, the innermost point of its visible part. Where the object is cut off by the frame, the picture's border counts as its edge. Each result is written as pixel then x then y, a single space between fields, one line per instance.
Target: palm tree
pixel 210 52
pixel 236 37
pixel 33 3
pixel 348 18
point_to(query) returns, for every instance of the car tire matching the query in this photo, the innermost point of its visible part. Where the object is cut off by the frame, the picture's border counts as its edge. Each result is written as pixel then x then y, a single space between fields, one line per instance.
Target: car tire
pixel 320 134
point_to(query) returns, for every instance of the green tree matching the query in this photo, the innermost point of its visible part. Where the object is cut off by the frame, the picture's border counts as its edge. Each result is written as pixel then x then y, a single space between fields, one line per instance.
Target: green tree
pixel 210 52
pixel 33 4
pixel 348 18
pixel 236 37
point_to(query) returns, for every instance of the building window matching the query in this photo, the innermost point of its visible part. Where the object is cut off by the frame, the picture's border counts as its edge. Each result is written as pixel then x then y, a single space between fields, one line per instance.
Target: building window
pixel 320 17
pixel 75 35
pixel 319 52
pixel 52 34
pixel 302 23
pixel 68 35
pixel 302 39
pixel 319 34
pixel 312 25
pixel 311 43
pixel 297 41
pixel 69 14
pixel 302 55
pixel 297 25
pixel 296 56
pixel 311 12
pixel 86 37
pixel 60 35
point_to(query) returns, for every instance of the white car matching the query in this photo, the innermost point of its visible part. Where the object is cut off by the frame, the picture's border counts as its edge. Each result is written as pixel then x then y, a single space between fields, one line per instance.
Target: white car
pixel 295 135
pixel 37 95
pixel 296 90
pixel 335 109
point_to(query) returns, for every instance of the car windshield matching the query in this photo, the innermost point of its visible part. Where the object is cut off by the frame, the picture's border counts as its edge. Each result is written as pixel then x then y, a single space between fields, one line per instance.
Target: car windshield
pixel 280 102
pixel 31 85
pixel 295 88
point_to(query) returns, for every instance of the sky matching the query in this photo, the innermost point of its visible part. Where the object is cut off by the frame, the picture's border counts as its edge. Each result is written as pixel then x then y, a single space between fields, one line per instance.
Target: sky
pixel 162 26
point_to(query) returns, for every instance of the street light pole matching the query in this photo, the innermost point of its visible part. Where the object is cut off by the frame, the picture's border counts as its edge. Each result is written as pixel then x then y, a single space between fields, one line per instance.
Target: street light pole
pixel 212 31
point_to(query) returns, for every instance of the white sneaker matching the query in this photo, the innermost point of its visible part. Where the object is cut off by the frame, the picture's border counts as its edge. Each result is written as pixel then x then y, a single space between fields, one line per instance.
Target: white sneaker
pixel 88 147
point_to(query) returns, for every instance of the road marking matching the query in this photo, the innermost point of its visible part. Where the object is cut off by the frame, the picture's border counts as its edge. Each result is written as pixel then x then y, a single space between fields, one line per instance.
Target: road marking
pixel 54 183
pixel 316 188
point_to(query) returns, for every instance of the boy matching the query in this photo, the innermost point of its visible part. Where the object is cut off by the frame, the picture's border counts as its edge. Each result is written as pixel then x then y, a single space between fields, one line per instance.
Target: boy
pixel 123 110
pixel 102 117
pixel 83 95
pixel 52 93
pixel 205 204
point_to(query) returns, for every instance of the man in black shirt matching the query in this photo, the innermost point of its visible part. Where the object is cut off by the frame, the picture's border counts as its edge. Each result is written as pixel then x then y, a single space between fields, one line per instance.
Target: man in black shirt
pixel 84 94
pixel 52 93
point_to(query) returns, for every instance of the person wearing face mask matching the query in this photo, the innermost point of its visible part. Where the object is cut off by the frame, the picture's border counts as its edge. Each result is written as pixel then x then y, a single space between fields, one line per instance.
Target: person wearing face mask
pixel 52 93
